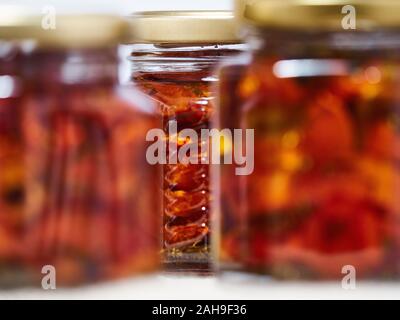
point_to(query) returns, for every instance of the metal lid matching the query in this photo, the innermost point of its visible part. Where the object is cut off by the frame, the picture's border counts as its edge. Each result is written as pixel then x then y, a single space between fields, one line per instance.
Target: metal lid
pixel 61 31
pixel 319 14
pixel 183 27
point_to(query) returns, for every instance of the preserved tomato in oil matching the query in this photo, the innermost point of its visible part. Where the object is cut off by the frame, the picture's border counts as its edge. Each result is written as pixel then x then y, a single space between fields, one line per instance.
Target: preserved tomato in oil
pixel 184 95
pixel 76 191
pixel 323 194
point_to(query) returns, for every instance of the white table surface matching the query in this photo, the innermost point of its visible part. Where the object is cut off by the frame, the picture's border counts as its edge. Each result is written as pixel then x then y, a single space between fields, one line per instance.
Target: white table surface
pixel 229 287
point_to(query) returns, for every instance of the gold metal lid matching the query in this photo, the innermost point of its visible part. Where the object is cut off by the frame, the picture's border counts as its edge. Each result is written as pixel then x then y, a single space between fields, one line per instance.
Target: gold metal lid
pixel 70 31
pixel 183 27
pixel 319 14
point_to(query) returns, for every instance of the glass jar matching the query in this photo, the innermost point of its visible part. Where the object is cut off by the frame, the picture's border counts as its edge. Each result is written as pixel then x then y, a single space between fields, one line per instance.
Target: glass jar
pixel 174 56
pixel 323 101
pixel 77 192
pixel 11 153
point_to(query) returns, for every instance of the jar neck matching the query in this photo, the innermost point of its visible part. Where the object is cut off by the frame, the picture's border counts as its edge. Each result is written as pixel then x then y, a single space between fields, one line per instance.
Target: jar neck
pixel 72 67
pixel 299 43
pixel 180 58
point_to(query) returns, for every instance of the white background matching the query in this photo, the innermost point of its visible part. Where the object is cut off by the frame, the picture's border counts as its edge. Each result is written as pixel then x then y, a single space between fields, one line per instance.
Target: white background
pixel 124 6
pixel 230 287
pixel 164 287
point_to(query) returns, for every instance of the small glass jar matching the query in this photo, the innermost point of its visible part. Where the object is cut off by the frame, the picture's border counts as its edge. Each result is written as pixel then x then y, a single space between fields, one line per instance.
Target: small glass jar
pixel 323 101
pixel 174 57
pixel 11 154
pixel 76 191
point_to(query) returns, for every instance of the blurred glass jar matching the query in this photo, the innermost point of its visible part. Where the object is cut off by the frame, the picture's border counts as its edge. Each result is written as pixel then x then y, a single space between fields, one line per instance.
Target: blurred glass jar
pixel 323 101
pixel 76 191
pixel 174 57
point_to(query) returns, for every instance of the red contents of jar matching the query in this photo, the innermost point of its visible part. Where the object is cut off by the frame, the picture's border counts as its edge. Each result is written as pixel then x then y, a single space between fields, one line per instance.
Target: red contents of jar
pixel 76 190
pixel 187 100
pixel 323 192
pixel 183 89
